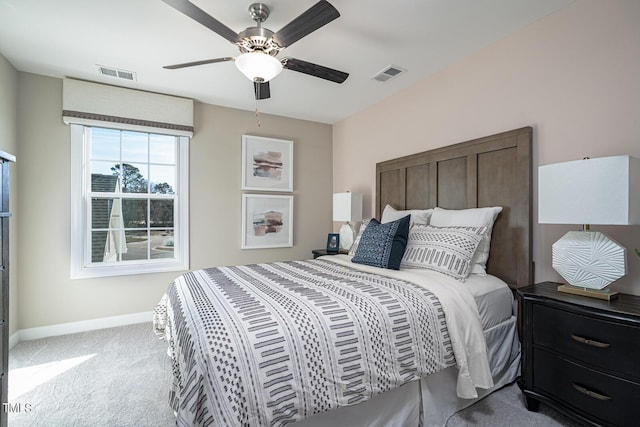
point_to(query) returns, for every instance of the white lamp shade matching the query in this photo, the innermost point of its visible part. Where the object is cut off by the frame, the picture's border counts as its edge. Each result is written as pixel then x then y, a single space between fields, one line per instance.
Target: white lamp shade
pixel 603 191
pixel 347 207
pixel 258 66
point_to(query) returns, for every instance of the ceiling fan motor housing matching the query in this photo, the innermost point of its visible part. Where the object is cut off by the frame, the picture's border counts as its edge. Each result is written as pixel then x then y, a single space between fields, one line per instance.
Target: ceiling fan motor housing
pixel 258 39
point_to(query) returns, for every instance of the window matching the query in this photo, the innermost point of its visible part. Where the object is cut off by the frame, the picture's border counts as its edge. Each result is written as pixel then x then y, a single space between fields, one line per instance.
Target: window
pixel 129 191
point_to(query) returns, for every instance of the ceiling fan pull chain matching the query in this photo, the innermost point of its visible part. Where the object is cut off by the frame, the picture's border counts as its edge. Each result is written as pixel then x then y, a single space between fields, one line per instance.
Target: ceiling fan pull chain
pixel 257 114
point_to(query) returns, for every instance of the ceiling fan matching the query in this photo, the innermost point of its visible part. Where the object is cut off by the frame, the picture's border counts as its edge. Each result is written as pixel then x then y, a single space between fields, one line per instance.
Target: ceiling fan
pixel 259 46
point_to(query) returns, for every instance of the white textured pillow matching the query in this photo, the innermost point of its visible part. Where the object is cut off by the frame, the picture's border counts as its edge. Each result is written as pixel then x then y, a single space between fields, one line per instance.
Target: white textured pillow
pixel 448 250
pixel 363 226
pixel 418 216
pixel 473 217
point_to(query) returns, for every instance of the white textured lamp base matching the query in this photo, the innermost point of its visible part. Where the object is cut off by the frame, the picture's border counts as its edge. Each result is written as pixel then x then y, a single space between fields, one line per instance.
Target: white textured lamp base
pixel 589 259
pixel 347 236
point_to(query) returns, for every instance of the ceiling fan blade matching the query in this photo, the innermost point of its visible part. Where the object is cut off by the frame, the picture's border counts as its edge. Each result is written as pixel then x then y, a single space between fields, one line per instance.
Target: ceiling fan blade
pixel 315 17
pixel 194 63
pixel 262 90
pixel 314 70
pixel 199 15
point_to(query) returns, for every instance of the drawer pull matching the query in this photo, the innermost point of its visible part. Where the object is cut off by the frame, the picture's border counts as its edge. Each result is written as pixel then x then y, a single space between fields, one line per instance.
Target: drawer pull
pixel 591 393
pixel 590 342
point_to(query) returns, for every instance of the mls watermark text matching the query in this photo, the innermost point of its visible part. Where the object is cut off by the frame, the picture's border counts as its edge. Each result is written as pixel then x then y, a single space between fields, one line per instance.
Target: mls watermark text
pixel 17 408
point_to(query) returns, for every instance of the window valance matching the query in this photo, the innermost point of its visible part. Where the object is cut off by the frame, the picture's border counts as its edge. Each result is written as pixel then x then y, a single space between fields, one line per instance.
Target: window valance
pixel 95 104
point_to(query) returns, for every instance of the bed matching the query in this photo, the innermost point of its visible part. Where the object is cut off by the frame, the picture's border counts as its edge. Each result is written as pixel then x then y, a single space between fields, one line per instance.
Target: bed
pixel 336 342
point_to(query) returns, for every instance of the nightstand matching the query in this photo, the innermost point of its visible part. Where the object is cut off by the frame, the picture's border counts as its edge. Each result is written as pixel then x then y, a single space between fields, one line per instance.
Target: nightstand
pixel 320 252
pixel 580 354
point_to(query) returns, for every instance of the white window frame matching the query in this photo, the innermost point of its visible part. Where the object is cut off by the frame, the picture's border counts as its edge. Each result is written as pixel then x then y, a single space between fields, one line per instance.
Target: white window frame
pixel 81 266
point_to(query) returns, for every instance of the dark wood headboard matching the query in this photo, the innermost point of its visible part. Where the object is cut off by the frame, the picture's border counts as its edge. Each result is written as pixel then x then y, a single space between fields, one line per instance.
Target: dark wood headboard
pixel 490 171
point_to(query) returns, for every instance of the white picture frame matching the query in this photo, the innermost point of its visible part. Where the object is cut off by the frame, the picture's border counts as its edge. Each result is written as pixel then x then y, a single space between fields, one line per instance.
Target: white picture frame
pixel 267 164
pixel 267 221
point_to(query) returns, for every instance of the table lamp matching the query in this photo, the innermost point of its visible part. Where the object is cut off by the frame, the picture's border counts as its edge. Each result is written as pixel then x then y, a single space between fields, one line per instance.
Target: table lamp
pixel 604 191
pixel 347 207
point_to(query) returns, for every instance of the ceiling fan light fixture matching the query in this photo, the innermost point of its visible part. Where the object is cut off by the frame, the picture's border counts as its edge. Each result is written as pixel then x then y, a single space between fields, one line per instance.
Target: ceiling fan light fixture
pixel 258 66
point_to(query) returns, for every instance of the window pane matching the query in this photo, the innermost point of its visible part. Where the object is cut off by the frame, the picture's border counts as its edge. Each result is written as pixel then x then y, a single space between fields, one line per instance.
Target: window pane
pixel 103 178
pixel 137 246
pixel 101 212
pixel 163 180
pixel 108 246
pixel 161 244
pixel 98 242
pixel 134 212
pixel 161 213
pixel 105 144
pixel 135 147
pixel 163 149
pixel 134 177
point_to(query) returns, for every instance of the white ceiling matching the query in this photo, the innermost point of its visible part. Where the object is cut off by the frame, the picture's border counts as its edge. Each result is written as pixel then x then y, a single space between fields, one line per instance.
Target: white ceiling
pixel 71 37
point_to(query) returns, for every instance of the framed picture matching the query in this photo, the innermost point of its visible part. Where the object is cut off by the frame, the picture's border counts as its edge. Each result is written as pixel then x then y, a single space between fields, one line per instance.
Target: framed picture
pixel 267 221
pixel 333 243
pixel 267 164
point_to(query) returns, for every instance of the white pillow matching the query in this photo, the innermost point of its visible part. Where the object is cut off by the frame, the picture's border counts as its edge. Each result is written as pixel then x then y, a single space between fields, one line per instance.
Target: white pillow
pixel 354 247
pixel 473 217
pixel 418 216
pixel 448 250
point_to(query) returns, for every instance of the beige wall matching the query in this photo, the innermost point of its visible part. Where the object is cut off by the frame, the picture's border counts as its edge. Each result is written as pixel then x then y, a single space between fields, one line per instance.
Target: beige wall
pixel 9 144
pixel 574 76
pixel 48 296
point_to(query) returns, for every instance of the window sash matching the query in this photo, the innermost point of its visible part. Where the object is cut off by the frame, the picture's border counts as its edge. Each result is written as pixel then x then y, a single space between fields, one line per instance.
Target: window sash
pixel 121 232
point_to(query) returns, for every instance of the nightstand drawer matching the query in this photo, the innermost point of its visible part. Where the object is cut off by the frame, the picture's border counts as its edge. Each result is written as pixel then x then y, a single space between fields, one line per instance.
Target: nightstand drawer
pixel 595 341
pixel 603 396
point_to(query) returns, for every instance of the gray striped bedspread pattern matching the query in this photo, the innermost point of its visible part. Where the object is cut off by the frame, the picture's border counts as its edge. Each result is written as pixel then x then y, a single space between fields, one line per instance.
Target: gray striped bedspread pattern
pixel 270 344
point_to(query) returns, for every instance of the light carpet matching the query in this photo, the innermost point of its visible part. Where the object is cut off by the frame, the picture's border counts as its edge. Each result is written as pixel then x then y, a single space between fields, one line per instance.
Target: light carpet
pixel 120 377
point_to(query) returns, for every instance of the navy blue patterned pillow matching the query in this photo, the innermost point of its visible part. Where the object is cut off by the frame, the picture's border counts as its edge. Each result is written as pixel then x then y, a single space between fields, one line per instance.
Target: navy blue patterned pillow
pixel 383 245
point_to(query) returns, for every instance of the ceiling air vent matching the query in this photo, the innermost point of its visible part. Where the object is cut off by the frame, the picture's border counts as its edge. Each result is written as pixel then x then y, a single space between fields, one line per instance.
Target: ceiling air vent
pixel 388 72
pixel 114 72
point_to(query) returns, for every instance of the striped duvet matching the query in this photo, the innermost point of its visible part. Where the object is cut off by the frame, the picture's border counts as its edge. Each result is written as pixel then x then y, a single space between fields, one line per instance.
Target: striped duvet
pixel 270 344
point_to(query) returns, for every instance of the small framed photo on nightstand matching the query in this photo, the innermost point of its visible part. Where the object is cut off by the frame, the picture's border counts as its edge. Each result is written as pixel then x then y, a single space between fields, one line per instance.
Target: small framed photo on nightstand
pixel 333 243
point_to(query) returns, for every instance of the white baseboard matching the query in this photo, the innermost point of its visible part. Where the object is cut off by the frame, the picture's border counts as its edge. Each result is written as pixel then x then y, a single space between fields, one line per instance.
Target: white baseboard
pixel 81 326
pixel 14 339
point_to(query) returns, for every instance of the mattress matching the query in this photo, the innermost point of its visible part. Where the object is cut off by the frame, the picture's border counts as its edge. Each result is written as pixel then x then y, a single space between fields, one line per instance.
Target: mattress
pixel 493 297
